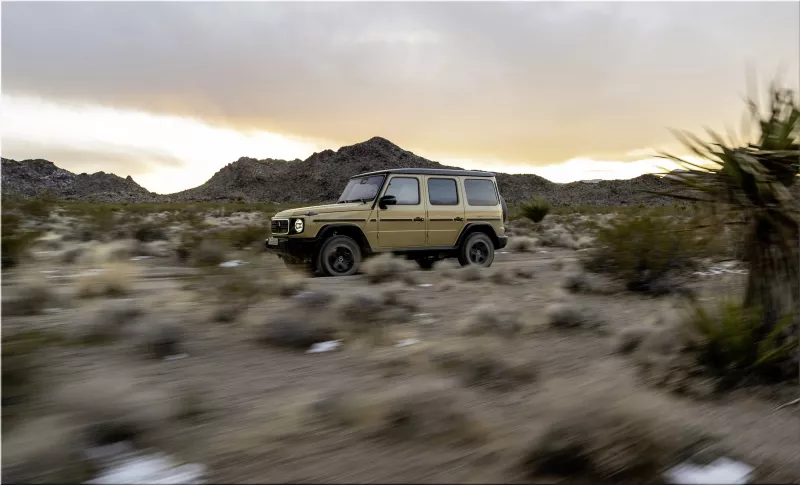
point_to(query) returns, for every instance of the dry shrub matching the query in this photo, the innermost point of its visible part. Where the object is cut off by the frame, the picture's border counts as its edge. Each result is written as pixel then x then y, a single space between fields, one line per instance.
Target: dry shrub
pixel 392 362
pixel 422 410
pixel 115 251
pixel 108 323
pixel 559 264
pixel 522 244
pixel 602 442
pixel 629 338
pixel 157 337
pixel 74 254
pixel 291 285
pixel 293 329
pixel 31 298
pixel 46 450
pixel 502 276
pixel 387 267
pixel 566 314
pixel 581 282
pixel 109 281
pixel 470 273
pixel 558 236
pixel 446 268
pixel 491 319
pixel 206 253
pixel 21 361
pixel 228 311
pixel 315 299
pixel 522 272
pixel 50 241
pixel 482 364
pixel 111 407
pixel 155 249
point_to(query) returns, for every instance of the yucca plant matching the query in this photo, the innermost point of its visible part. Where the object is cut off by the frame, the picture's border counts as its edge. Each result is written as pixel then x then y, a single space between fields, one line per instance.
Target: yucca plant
pixel 535 209
pixel 755 184
pixel 733 346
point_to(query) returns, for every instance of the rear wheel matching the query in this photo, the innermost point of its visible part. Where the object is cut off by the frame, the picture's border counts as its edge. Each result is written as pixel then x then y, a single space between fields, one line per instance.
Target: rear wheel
pixel 477 250
pixel 339 256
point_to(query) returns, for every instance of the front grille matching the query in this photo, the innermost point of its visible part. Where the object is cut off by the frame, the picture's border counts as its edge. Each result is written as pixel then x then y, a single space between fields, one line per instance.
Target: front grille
pixel 279 226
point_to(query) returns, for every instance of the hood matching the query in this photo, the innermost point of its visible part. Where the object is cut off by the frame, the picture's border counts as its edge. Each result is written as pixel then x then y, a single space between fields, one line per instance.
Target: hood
pixel 326 209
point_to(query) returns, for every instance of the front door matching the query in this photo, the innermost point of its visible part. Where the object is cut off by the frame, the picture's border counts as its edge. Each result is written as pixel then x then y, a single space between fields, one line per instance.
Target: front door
pixel 445 210
pixel 403 225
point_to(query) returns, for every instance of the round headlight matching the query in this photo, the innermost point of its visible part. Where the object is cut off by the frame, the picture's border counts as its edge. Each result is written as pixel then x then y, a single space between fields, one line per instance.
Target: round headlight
pixel 298 225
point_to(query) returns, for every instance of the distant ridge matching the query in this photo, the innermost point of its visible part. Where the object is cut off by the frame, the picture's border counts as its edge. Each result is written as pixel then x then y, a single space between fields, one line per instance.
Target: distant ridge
pixel 319 178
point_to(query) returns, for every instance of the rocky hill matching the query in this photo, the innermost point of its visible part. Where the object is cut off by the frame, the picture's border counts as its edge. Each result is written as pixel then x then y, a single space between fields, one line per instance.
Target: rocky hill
pixel 37 178
pixel 319 178
pixel 323 175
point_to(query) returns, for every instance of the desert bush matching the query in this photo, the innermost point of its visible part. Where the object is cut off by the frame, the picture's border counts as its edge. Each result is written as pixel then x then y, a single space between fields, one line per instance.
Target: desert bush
pixel 643 252
pixel 293 329
pixel 31 298
pixel 569 315
pixel 227 311
pixel 502 276
pixel 601 443
pixel 149 232
pixel 110 407
pixel 491 319
pixel 16 241
pixel 158 337
pixel 423 410
pixel 247 236
pixel 734 344
pixel 291 285
pixel 475 364
pixel 110 281
pixel 205 253
pixel 46 450
pixel 21 364
pixel 535 210
pixel 315 299
pixel 522 244
pixel 386 267
pixel 469 273
pixel 629 338
pixel 108 323
pixel 558 236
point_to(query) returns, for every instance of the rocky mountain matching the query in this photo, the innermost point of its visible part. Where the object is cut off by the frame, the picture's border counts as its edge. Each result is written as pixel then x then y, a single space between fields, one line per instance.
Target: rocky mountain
pixel 319 178
pixel 38 178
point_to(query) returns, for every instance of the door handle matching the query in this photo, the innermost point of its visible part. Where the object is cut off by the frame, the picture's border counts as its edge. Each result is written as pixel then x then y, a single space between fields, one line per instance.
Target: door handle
pixel 418 219
pixel 458 219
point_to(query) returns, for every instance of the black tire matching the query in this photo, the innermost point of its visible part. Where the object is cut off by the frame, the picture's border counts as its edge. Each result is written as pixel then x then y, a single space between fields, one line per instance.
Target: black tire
pixel 477 250
pixel 426 263
pixel 339 256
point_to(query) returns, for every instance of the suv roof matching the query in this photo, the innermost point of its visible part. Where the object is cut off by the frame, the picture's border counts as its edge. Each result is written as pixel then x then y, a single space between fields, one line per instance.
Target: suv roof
pixel 430 171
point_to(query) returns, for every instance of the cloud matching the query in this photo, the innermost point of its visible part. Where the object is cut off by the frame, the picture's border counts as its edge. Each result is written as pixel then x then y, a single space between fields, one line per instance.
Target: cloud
pixel 531 83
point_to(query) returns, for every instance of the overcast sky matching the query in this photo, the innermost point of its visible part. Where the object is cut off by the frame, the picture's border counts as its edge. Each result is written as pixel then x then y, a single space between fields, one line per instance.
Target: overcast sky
pixel 170 92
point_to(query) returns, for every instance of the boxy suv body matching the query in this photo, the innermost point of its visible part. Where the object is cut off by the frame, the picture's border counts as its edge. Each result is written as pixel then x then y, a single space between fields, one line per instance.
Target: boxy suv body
pixel 424 214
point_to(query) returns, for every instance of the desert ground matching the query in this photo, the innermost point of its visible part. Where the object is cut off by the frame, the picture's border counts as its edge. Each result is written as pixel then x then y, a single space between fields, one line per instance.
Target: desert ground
pixel 175 333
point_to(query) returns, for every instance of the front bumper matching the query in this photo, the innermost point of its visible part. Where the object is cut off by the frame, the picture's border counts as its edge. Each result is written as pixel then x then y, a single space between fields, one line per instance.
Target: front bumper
pixel 502 241
pixel 296 250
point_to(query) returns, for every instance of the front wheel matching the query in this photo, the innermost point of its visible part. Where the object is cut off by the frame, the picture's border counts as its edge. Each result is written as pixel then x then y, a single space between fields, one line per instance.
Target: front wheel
pixel 340 256
pixel 477 250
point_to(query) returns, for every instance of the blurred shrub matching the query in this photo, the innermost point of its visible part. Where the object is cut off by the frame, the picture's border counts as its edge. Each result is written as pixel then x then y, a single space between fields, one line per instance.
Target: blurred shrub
pixel 15 240
pixel 734 345
pixel 643 251
pixel 535 210
pixel 243 237
pixel 150 233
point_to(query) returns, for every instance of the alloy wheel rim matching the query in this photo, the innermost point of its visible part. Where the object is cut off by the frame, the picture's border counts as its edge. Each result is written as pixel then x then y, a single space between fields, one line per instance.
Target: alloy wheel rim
pixel 341 259
pixel 479 253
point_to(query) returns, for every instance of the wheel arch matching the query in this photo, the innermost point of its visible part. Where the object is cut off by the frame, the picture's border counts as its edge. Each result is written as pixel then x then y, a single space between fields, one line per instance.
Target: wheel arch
pixel 474 227
pixel 350 230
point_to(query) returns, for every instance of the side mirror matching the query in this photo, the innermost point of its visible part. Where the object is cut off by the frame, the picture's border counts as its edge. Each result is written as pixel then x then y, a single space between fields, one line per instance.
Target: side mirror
pixel 387 200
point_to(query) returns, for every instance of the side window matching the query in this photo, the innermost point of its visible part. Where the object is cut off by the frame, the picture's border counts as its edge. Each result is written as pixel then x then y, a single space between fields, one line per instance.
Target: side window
pixel 442 192
pixel 405 189
pixel 480 192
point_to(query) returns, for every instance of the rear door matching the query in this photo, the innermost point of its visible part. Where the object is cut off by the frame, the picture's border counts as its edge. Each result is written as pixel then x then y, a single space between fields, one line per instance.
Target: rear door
pixel 445 210
pixel 403 225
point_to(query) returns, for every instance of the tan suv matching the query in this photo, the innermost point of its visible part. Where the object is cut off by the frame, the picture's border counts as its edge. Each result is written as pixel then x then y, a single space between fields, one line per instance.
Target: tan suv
pixel 424 214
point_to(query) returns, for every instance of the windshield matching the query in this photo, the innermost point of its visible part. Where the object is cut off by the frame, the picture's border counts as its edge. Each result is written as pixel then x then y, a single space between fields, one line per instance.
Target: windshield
pixel 362 189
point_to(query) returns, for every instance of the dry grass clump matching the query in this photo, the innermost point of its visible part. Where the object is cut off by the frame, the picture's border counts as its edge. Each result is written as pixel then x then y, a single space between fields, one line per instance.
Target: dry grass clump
pixel 502 276
pixel 315 299
pixel 293 329
pixel 206 253
pixel 31 298
pixel 602 443
pixel 567 314
pixel 111 407
pixel 421 410
pixel 630 338
pixel 45 450
pixel 393 362
pixel 470 273
pixel 109 281
pixel 108 323
pixel 291 285
pixel 387 267
pixel 228 311
pixel 21 362
pixel 493 320
pixel 558 236
pixel 522 244
pixel 157 337
pixel 522 272
pixel 482 365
